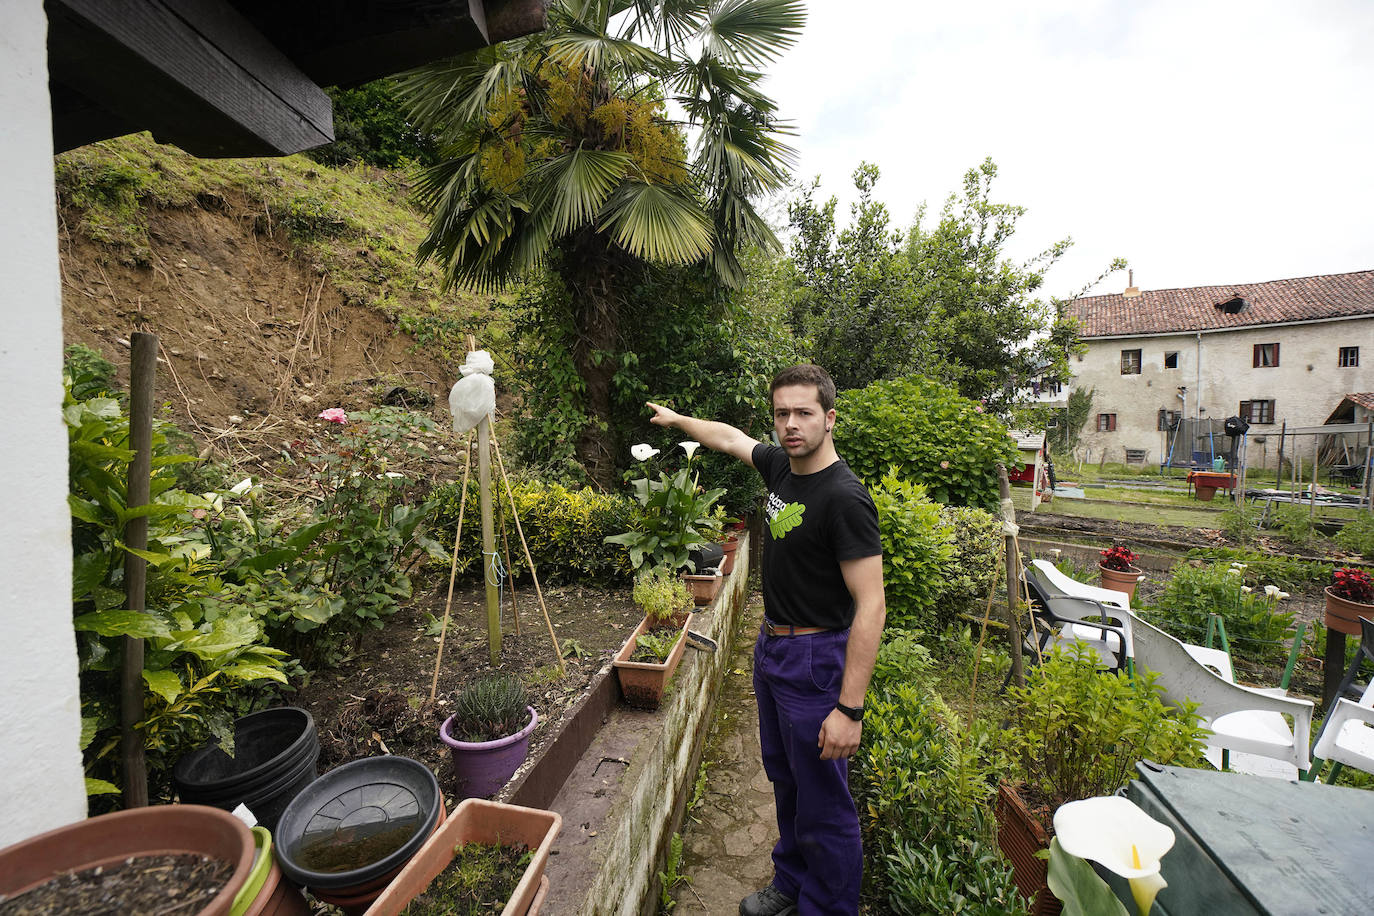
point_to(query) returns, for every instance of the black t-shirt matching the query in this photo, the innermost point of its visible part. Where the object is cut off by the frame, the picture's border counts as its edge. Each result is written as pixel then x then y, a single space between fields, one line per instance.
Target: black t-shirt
pixel 814 522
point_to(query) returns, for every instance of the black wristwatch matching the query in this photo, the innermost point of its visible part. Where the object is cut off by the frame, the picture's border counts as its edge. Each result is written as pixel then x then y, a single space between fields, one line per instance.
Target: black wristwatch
pixel 857 714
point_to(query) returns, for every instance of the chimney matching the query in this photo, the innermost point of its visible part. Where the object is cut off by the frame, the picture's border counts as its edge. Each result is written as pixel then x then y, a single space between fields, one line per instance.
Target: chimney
pixel 1131 291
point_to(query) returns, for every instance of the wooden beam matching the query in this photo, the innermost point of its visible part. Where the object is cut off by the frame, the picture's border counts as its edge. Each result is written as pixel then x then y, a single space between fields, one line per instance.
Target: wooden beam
pixel 507 19
pixel 194 72
pixel 351 42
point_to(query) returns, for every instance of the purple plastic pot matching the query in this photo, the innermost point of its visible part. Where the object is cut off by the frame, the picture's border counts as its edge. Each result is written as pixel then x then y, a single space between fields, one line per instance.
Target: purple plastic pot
pixel 481 768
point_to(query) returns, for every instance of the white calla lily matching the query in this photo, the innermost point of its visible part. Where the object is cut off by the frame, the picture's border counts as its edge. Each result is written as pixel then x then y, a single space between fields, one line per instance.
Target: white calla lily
pixel 1116 834
pixel 689 447
pixel 643 451
pixel 1270 591
pixel 242 487
pixel 1282 595
pixel 1234 572
pixel 1245 589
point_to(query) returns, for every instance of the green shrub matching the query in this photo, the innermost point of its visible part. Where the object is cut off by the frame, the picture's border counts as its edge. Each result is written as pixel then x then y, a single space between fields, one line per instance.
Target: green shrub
pixel 926 433
pixel 1257 630
pixel 901 656
pixel 1077 731
pixel 661 593
pixel 1294 525
pixel 916 552
pixel 923 784
pixel 1240 522
pixel 976 544
pixel 565 530
pixel 91 374
pixel 1358 535
pixel 1287 574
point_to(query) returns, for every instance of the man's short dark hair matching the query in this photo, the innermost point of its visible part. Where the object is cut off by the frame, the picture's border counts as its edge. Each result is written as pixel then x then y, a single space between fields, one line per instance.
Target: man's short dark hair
pixel 807 374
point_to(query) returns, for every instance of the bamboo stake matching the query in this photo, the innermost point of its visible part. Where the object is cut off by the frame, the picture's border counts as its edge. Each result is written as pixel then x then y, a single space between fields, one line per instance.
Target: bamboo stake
pixel 557 650
pixel 1018 672
pixel 982 636
pixel 510 575
pixel 453 569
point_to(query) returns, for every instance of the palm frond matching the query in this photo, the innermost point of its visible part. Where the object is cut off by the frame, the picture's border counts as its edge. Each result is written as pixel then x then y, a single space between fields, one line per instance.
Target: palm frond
pixel 572 187
pixel 459 90
pixel 754 31
pixel 657 224
pixel 582 45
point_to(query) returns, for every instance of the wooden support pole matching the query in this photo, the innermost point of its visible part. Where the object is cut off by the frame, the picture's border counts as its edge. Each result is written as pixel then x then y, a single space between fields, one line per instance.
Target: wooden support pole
pixel 1369 460
pixel 1018 672
pixel 489 575
pixel 1312 494
pixel 142 370
pixel 1278 472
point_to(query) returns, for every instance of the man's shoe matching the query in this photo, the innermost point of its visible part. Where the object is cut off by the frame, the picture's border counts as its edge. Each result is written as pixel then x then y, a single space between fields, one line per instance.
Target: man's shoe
pixel 768 902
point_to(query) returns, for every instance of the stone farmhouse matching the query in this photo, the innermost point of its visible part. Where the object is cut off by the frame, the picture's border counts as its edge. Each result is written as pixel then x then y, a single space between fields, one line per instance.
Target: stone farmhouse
pixel 1291 351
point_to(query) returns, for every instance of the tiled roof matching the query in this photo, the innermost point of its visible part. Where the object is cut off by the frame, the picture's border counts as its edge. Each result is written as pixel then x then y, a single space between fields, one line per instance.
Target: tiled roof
pixel 1162 311
pixel 1363 398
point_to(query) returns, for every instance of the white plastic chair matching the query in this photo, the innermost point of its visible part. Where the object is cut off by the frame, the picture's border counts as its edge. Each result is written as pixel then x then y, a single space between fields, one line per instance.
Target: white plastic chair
pixel 1247 721
pixel 1055 580
pixel 1347 736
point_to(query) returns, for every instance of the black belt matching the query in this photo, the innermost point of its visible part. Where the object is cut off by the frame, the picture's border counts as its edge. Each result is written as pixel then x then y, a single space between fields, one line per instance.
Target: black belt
pixel 780 629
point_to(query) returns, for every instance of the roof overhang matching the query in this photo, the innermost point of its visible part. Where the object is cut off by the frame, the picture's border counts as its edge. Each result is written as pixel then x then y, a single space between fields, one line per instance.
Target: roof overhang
pixel 242 77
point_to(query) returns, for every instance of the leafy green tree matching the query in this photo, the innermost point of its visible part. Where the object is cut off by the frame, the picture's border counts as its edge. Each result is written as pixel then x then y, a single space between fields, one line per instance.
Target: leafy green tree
pixel 557 150
pixel 370 127
pixel 943 301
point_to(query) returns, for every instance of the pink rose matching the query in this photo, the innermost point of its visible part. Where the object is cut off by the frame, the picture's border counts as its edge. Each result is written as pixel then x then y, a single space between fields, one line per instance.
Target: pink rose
pixel 334 415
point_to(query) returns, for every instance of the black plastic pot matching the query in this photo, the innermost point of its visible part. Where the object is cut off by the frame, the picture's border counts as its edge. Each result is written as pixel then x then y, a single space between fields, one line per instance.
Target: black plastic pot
pixel 275 757
pixel 357 823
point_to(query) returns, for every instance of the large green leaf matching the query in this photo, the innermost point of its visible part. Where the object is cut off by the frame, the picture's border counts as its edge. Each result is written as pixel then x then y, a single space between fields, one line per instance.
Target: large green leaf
pixel 657 224
pixel 573 187
pixel 88 571
pixel 755 31
pixel 256 671
pixel 100 787
pixel 227 633
pixel 164 683
pixel 585 45
pixel 1084 893
pixel 121 623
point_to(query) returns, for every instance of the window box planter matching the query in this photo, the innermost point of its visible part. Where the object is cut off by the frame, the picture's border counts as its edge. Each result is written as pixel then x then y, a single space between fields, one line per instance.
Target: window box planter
pixel 479 821
pixel 642 683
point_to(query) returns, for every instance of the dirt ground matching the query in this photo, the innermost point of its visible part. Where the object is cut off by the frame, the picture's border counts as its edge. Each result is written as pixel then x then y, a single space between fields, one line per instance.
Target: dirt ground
pixel 379 701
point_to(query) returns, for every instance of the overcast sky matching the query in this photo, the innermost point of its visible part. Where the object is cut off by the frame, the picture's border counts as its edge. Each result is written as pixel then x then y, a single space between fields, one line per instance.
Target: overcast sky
pixel 1209 142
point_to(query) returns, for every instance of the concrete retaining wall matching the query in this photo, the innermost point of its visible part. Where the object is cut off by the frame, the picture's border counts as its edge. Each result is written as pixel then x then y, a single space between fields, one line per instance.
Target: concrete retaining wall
pixel 655 790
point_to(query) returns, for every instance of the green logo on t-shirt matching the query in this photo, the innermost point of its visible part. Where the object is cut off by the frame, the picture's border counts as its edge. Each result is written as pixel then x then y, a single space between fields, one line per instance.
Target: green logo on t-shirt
pixel 789 517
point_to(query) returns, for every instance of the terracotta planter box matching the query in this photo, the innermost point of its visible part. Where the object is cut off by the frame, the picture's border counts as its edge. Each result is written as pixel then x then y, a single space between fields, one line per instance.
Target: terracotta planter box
pixel 729 547
pixel 110 838
pixel 1120 580
pixel 1344 616
pixel 1020 836
pixel 642 683
pixel 479 821
pixel 703 588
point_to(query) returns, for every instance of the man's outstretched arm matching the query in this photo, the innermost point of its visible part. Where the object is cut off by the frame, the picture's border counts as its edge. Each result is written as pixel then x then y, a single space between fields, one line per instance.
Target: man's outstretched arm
pixel 718 437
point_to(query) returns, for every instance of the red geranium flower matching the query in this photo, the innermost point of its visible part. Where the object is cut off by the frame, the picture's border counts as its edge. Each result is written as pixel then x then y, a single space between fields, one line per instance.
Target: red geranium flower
pixel 1119 558
pixel 1353 585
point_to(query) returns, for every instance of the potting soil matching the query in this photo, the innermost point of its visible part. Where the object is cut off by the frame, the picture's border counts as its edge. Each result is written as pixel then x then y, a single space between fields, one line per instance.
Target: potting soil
pixel 478 882
pixel 137 885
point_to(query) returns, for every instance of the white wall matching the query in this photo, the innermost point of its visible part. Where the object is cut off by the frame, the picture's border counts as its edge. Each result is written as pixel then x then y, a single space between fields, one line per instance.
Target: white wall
pixel 1217 369
pixel 40 722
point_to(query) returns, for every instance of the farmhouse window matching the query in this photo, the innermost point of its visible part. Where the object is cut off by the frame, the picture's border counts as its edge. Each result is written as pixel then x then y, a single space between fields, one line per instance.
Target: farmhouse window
pixel 1261 412
pixel 1130 362
pixel 1106 422
pixel 1171 359
pixel 1266 356
pixel 1350 358
pixel 1168 419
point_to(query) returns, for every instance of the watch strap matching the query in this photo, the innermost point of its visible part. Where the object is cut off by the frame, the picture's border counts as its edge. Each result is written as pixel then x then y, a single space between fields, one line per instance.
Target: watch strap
pixel 855 713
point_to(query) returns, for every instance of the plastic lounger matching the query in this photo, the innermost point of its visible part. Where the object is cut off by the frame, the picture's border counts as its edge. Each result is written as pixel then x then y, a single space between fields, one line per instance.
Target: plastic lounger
pixel 1243 720
pixel 1055 584
pixel 1347 737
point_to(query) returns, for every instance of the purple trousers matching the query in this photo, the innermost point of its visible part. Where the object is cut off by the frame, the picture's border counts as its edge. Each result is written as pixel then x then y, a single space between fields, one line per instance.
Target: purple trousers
pixel 819 857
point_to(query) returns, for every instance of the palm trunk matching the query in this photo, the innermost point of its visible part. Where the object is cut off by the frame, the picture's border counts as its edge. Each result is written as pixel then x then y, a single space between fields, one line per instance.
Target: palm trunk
pixel 589 272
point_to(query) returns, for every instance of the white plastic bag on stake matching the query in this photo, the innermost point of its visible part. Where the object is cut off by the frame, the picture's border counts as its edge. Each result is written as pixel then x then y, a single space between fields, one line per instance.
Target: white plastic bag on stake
pixel 474 396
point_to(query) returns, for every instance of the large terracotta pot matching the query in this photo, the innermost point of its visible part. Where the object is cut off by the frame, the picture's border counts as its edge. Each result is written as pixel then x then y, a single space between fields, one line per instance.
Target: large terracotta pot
pixel 1021 836
pixel 643 683
pixel 481 768
pixel 479 821
pixel 267 892
pixel 109 838
pixel 1344 616
pixel 1120 580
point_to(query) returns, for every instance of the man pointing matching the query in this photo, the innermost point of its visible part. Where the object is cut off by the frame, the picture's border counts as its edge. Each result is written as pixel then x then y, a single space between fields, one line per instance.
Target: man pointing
pixel 824 613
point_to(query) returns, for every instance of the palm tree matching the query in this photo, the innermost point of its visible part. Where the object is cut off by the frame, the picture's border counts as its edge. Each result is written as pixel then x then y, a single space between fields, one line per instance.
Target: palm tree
pixel 558 151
